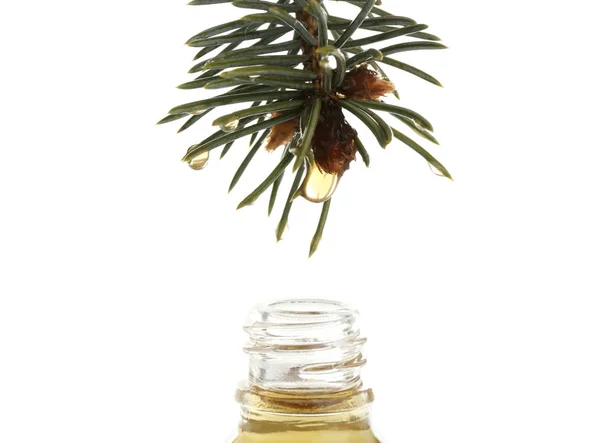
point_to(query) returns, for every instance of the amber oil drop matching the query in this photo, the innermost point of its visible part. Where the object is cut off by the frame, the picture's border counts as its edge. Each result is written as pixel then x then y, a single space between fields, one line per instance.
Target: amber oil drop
pixel 199 162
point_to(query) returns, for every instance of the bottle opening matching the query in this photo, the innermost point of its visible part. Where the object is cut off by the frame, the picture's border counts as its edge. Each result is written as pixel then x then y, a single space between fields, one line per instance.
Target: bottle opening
pixel 299 345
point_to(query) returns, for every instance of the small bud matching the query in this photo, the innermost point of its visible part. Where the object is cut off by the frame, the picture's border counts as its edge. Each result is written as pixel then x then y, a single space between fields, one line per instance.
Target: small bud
pixel 282 133
pixel 365 84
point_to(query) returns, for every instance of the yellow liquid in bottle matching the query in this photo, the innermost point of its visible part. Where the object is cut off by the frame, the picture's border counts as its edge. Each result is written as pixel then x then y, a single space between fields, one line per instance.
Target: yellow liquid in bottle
pixel 340 417
pixel 340 436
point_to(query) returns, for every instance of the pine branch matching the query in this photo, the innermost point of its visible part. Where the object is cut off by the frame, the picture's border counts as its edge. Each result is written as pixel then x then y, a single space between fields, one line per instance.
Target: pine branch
pixel 276 65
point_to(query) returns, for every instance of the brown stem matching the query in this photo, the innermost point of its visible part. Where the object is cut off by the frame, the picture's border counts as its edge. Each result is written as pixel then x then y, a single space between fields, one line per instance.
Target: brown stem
pixel 313 62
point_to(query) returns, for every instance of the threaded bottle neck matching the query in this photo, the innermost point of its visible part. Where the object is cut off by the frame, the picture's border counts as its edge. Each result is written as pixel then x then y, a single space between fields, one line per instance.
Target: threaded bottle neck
pixel 304 345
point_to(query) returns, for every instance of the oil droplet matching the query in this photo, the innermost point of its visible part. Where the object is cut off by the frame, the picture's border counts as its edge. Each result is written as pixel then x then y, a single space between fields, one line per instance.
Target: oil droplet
pixel 318 185
pixel 435 170
pixel 230 126
pixel 199 162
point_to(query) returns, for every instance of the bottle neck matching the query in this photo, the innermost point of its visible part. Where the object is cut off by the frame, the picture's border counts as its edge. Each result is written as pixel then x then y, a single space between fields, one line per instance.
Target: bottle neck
pixel 305 358
pixel 304 345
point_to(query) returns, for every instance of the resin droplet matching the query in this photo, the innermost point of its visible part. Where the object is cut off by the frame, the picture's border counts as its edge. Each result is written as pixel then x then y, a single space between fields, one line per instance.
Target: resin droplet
pixel 230 126
pixel 199 162
pixel 318 185
pixel 435 170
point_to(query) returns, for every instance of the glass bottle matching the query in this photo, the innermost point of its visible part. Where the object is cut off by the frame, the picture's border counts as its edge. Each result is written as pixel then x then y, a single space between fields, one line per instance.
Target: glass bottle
pixel 304 382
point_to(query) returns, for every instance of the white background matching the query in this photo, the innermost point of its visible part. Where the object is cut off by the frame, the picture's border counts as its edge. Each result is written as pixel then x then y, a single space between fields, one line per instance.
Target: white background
pixel 125 276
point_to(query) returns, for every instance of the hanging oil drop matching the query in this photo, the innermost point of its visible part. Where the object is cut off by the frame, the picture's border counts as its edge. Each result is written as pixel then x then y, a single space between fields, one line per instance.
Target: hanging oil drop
pixel 199 162
pixel 230 125
pixel 319 186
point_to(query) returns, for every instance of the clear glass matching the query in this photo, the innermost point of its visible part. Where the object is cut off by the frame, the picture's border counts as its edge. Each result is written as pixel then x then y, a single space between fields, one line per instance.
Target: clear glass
pixel 304 383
